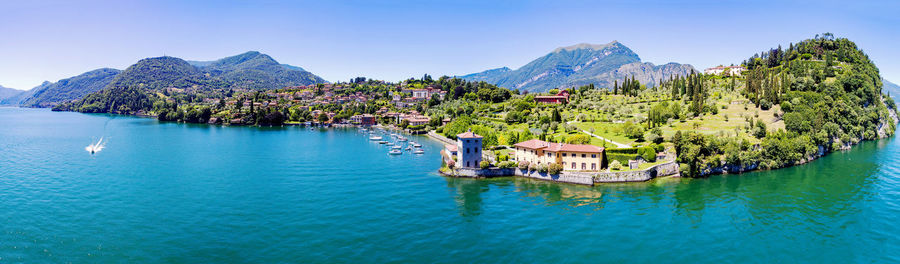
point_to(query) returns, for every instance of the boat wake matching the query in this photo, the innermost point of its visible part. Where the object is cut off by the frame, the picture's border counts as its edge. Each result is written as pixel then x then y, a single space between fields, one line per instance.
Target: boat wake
pixel 96 147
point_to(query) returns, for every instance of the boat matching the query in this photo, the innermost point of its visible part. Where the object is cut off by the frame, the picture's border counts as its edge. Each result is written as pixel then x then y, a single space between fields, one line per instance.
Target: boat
pixel 395 152
pixel 390 143
pixel 417 145
pixel 382 142
pixel 375 138
pixel 419 151
pixel 408 147
pixel 402 139
pixel 396 147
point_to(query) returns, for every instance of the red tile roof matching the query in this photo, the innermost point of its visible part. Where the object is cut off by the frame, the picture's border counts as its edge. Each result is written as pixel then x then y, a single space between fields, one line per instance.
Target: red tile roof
pixel 557 147
pixel 468 135
pixel 451 148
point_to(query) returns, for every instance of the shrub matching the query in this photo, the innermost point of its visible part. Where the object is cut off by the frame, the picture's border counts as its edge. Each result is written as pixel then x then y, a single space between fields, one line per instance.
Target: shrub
pixel 523 165
pixel 484 164
pixel 507 164
pixel 555 168
pixel 542 168
pixel 765 104
pixel 615 165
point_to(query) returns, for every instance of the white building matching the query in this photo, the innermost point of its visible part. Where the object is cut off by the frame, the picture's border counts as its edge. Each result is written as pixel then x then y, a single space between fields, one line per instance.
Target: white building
pixel 730 70
pixel 468 146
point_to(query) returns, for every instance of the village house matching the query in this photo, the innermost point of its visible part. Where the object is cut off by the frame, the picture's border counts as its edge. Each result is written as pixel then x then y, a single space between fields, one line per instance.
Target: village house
pixel 363 120
pixel 571 156
pixel 560 98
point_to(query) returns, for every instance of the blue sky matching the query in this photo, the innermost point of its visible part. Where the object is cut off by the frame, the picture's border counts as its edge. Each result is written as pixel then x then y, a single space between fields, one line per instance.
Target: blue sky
pixel 394 40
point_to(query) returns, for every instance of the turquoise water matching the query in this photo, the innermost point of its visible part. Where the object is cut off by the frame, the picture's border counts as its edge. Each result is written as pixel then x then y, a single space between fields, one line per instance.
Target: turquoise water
pixel 179 193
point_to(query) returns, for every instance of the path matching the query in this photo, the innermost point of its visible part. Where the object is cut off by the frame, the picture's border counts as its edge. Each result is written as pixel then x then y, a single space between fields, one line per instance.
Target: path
pixel 620 145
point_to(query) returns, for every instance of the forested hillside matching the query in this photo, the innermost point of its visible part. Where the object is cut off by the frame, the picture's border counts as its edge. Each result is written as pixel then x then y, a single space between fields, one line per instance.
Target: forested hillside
pixel 153 76
pixel 50 94
pixel 830 97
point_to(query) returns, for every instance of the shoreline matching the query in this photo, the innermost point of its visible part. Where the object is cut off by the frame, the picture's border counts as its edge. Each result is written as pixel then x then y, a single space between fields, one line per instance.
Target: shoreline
pixel 720 170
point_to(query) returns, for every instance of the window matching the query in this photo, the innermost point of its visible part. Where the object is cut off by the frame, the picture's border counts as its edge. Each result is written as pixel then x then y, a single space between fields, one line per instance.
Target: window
pixel 583 155
pixel 467 150
pixel 573 165
pixel 549 154
pixel 564 154
pixel 593 166
pixel 583 166
pixel 467 164
pixel 593 155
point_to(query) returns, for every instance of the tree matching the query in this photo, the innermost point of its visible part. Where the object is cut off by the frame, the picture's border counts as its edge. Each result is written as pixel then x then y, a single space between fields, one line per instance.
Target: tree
pixel 404 123
pixel 322 118
pixel 556 116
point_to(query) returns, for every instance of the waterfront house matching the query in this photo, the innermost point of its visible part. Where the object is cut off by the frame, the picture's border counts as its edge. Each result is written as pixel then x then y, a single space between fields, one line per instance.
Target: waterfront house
pixel 468 146
pixel 363 120
pixel 451 149
pixel 571 156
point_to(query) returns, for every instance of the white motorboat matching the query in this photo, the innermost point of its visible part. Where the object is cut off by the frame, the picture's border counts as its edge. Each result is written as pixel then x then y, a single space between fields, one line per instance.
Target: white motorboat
pixel 396 147
pixel 402 139
pixel 395 152
pixel 375 138
pixel 417 145
pixel 419 151
pixel 382 142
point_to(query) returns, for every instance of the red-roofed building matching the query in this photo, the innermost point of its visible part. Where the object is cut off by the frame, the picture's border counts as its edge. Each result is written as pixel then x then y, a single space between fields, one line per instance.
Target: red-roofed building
pixel 560 98
pixel 571 156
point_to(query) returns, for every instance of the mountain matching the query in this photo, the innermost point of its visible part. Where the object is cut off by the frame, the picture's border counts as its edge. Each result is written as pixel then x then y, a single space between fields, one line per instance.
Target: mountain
pixel 138 83
pixel 8 92
pixel 580 64
pixel 254 70
pixel 890 88
pixel 49 94
pixel 250 70
pixel 12 97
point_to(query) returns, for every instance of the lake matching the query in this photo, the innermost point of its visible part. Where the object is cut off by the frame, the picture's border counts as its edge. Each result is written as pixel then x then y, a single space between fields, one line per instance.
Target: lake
pixel 186 193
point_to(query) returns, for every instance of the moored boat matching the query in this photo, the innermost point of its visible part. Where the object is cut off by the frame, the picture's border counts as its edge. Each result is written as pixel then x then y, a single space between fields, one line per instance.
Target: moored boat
pixel 375 138
pixel 395 152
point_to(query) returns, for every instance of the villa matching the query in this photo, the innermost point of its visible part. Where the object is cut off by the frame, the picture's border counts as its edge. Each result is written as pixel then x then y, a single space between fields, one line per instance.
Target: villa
pixel 560 98
pixel 571 156
pixel 730 70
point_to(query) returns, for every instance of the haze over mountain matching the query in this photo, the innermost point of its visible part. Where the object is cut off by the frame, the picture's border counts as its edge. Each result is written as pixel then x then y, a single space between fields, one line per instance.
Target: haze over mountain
pixel 8 92
pixel 890 88
pixel 581 64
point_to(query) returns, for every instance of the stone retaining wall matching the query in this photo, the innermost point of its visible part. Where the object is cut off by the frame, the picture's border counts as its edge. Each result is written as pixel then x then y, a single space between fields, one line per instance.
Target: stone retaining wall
pixel 576 177
pixel 660 170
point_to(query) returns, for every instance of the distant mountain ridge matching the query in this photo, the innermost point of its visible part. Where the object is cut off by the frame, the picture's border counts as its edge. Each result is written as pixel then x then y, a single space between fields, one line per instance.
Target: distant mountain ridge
pixel 8 92
pixel 580 64
pixel 49 94
pixel 249 70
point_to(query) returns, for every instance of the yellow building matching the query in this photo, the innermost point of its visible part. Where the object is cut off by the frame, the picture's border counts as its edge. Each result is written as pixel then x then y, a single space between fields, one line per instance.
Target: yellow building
pixel 572 157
